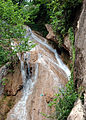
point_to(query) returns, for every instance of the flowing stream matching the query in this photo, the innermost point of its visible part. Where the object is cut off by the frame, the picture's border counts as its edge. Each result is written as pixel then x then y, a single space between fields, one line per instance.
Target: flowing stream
pixel 49 62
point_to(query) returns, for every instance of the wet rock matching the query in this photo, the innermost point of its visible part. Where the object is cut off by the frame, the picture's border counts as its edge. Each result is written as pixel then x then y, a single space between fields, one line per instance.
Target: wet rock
pixel 77 112
pixel 14 83
pixel 6 103
pixel 33 56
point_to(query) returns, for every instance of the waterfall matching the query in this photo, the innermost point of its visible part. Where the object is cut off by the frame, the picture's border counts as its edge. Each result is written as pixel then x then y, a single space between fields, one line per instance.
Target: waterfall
pixel 29 80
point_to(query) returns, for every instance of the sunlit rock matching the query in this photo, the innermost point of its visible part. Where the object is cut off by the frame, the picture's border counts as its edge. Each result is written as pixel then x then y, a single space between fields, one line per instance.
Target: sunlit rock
pixel 51 35
pixel 77 112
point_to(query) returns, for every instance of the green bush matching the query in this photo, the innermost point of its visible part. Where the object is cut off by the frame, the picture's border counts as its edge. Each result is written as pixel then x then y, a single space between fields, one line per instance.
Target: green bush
pixel 64 101
pixel 39 16
pixel 12 19
pixel 72 40
pixel 3 56
pixel 62 14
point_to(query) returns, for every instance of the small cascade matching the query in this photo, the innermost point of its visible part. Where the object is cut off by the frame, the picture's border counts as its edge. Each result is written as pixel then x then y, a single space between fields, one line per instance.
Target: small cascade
pixel 20 108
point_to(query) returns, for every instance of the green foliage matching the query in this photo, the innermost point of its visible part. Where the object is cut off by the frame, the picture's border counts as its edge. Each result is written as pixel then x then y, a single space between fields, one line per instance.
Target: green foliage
pixel 64 101
pixel 62 13
pixel 42 16
pixel 68 94
pixel 3 56
pixel 4 81
pixel 32 10
pixel 72 39
pixel 12 28
pixel 19 2
pixel 41 1
pixel 40 28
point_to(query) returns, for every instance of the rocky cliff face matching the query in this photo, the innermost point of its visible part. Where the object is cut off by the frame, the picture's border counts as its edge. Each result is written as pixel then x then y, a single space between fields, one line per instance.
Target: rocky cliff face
pixel 80 47
pixel 79 110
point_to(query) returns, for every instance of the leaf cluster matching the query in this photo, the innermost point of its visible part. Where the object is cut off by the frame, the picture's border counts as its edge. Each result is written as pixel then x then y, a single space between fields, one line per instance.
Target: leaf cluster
pixel 12 19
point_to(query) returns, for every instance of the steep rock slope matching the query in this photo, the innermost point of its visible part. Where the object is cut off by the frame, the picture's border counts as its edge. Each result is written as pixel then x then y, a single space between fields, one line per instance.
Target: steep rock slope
pixel 79 110
pixel 46 75
pixel 80 47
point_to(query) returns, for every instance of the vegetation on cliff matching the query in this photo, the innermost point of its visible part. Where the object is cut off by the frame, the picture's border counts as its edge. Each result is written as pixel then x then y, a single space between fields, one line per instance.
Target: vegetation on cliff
pixel 60 13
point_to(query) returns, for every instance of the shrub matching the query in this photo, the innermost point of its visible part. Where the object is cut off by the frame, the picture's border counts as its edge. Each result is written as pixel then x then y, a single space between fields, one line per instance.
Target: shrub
pixel 64 101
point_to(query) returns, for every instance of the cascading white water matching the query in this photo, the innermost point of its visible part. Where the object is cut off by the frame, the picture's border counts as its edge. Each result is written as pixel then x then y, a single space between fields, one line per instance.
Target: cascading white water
pixel 20 111
pixel 60 63
pixel 21 114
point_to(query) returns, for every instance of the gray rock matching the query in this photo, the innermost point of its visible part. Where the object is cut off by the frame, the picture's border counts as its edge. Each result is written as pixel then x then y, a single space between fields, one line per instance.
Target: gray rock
pixel 80 48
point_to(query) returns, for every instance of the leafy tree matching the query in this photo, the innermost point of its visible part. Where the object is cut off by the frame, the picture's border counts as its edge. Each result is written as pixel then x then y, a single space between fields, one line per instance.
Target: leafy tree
pixel 12 20
pixel 32 10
